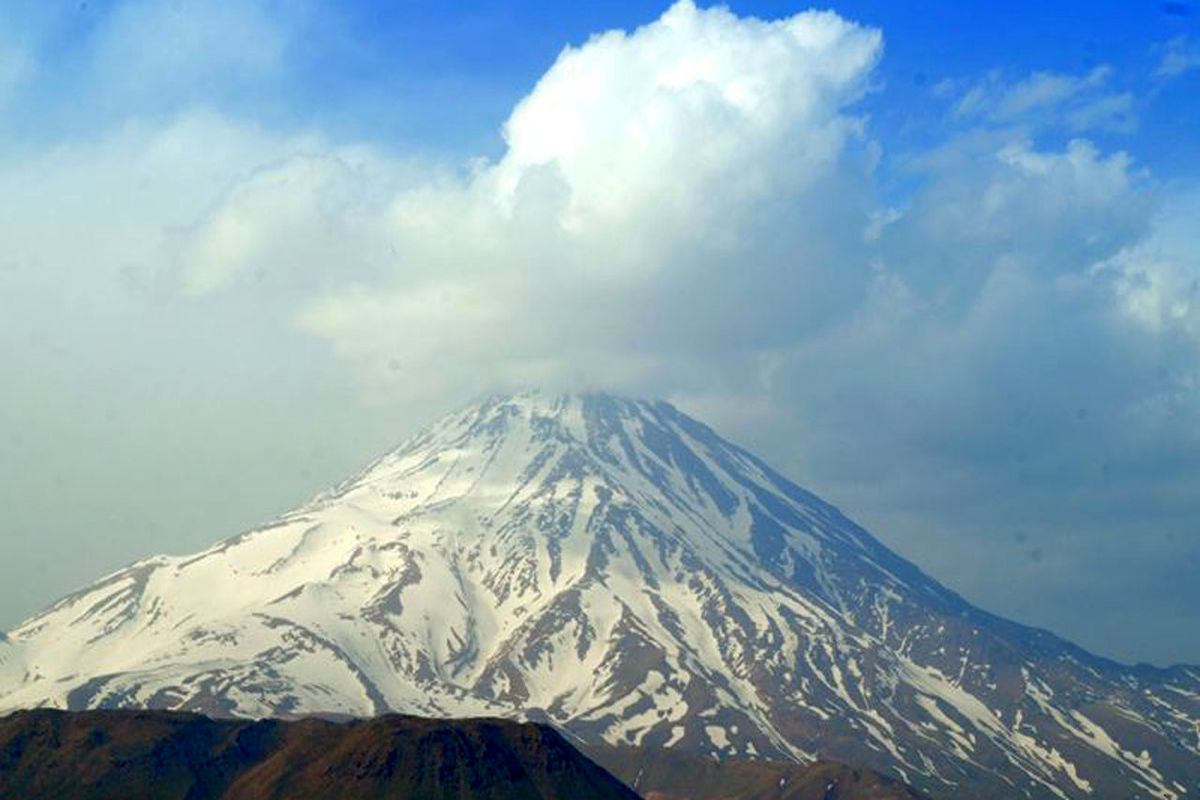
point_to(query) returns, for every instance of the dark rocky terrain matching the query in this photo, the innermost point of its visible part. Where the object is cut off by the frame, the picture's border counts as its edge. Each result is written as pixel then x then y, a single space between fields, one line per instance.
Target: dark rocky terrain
pixel 674 775
pixel 165 755
pixel 159 755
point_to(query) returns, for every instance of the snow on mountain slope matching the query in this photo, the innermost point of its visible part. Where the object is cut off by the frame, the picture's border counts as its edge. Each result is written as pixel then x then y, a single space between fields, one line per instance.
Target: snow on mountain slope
pixel 614 567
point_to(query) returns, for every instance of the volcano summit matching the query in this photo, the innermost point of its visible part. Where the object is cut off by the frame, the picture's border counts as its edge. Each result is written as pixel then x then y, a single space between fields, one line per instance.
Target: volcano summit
pixel 615 568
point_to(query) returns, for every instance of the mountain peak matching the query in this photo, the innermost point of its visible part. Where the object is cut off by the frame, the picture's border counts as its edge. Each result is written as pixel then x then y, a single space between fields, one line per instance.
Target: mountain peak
pixel 582 416
pixel 506 438
pixel 618 569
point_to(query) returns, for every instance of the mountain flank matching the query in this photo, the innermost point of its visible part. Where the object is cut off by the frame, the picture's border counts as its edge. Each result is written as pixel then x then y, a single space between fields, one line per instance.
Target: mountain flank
pixel 616 569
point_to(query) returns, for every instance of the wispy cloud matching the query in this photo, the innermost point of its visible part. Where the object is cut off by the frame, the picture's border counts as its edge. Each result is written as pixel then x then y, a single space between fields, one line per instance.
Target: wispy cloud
pixel 16 64
pixel 1177 57
pixel 147 49
pixel 1047 99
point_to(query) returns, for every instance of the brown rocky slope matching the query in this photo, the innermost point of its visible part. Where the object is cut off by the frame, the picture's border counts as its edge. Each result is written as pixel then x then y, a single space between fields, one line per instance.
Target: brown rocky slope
pixel 140 755
pixel 161 755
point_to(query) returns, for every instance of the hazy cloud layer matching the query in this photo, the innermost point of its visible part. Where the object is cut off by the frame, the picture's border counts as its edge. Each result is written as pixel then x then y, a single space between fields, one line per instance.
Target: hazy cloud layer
pixel 996 369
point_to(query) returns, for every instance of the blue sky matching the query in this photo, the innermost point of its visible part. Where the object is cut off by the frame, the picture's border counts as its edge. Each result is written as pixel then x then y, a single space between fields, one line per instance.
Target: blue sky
pixel 420 75
pixel 939 265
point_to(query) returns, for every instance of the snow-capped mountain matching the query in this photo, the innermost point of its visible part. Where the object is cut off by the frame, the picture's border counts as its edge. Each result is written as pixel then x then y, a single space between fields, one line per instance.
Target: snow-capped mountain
pixel 616 568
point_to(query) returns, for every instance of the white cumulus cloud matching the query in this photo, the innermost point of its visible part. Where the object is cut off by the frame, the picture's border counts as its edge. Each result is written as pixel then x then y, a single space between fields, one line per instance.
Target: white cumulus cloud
pixel 651 179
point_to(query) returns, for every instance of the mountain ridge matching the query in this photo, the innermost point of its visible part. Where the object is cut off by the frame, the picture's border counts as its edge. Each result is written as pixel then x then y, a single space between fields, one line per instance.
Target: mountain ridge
pixel 129 755
pixel 156 755
pixel 616 568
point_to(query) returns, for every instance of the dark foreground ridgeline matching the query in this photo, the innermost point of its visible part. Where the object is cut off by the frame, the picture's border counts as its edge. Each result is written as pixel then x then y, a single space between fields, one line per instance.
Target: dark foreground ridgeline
pixel 154 755
pixel 163 755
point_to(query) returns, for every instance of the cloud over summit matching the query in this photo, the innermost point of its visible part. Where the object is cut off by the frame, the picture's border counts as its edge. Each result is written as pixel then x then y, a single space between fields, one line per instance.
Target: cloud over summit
pixel 652 180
